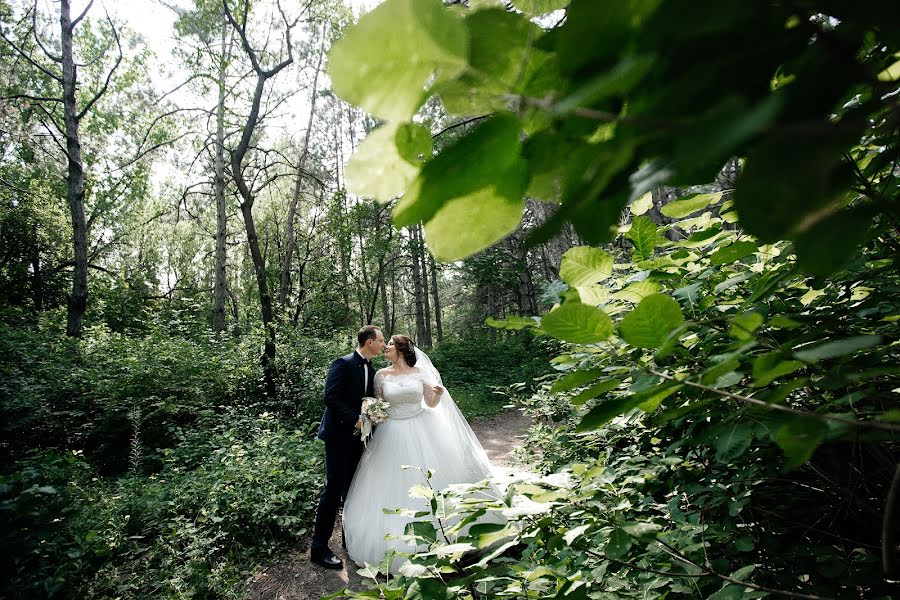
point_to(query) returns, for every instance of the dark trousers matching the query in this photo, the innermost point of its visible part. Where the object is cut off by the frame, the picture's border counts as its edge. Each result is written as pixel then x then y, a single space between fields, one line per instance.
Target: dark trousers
pixel 341 458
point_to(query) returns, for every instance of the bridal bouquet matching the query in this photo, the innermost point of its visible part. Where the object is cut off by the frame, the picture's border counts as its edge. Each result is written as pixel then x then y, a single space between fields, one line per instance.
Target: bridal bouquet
pixel 374 411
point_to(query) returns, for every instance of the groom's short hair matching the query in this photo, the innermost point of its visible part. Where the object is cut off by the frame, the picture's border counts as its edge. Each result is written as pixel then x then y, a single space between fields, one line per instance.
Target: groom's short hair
pixel 367 333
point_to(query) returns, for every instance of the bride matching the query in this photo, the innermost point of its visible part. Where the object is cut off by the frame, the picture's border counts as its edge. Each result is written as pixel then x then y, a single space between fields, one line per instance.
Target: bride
pixel 424 429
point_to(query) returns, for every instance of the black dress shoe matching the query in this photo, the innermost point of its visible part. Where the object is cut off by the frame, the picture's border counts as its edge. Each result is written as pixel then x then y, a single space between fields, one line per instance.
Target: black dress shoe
pixel 325 558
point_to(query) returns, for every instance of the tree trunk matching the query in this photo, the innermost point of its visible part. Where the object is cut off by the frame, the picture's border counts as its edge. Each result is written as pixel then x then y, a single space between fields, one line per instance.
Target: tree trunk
pixel 219 292
pixel 438 327
pixel 426 304
pixel 289 235
pixel 37 276
pixel 75 179
pixel 418 288
pixel 237 173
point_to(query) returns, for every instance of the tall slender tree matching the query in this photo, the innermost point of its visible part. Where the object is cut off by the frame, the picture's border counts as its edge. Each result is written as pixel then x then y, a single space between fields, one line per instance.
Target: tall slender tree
pixel 238 154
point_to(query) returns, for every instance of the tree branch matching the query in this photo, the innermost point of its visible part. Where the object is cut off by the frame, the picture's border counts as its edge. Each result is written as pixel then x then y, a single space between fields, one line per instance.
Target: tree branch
pixel 109 75
pixel 779 407
pixel 28 57
pixel 37 38
pixel 81 16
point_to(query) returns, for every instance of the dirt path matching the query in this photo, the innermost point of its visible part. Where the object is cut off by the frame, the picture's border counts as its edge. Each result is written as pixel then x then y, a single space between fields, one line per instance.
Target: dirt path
pixel 298 579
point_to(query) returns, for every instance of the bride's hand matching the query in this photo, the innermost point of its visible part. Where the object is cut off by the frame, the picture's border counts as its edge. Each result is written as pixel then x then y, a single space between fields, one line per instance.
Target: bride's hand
pixel 437 390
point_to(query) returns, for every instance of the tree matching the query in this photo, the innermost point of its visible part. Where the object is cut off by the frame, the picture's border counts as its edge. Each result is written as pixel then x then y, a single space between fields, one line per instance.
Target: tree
pixel 73 113
pixel 238 154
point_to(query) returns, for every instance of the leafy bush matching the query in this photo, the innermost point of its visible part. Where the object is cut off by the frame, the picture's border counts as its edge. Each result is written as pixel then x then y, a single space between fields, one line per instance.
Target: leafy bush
pixel 187 531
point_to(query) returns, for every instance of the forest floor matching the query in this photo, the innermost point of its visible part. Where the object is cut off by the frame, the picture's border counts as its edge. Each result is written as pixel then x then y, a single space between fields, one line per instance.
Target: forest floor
pixel 298 579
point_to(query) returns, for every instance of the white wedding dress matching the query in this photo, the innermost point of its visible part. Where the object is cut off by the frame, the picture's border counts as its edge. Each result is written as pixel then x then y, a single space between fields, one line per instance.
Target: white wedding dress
pixel 415 434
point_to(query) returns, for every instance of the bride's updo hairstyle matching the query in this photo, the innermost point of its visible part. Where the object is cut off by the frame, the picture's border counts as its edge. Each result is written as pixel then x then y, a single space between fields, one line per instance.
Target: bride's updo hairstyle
pixel 406 348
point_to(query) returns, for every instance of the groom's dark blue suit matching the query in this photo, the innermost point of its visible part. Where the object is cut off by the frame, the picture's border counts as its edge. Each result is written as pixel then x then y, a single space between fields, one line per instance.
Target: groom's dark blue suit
pixel 345 387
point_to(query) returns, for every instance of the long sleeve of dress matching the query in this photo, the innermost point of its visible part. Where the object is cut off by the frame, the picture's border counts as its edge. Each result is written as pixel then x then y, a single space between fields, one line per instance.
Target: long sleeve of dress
pixel 431 399
pixel 379 385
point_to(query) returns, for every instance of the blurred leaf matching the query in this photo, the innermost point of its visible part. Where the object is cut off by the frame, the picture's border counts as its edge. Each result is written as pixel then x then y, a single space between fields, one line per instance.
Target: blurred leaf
pixel 799 438
pixel 539 7
pixel 484 164
pixel 770 366
pixel 514 323
pixel 384 62
pixel 618 545
pixel 837 348
pixel 388 160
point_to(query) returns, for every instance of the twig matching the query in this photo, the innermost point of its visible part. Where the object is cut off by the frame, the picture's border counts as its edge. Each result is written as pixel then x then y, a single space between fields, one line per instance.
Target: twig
pixel 460 124
pixel 778 407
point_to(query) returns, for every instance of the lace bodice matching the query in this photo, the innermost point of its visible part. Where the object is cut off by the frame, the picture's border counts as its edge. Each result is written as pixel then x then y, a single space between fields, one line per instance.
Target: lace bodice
pixel 404 391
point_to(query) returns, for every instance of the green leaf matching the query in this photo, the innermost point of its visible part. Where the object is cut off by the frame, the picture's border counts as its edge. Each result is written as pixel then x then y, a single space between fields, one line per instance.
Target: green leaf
pixel 584 265
pixel 643 531
pixel 799 438
pixel 647 400
pixel 688 205
pixel 733 252
pixel 384 62
pixel 514 323
pixel 618 545
pixel 388 160
pixel 485 161
pixel 486 534
pixel 648 325
pixel 467 224
pixel 642 204
pixel 539 7
pixel 728 592
pixel 596 390
pixel 831 242
pixel 501 58
pixel 838 348
pixel 732 441
pixel 637 291
pixel 575 379
pixel 743 326
pixel 770 366
pixel 427 588
pixel 578 323
pixel 644 237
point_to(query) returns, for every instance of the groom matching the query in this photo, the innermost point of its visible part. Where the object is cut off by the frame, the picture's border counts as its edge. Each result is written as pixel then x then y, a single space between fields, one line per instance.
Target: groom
pixel 350 378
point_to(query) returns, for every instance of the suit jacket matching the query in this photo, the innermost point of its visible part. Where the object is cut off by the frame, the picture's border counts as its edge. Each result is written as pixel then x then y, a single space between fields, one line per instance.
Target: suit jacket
pixel 344 391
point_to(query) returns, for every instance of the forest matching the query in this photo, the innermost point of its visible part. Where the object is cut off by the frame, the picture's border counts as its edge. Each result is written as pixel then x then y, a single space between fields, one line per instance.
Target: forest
pixel 668 231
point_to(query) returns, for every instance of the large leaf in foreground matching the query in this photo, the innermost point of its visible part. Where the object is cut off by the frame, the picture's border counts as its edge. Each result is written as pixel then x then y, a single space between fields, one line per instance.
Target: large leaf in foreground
pixel 384 62
pixel 467 224
pixel 388 160
pixel 578 323
pixel 648 325
pixel 480 160
pixel 585 265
